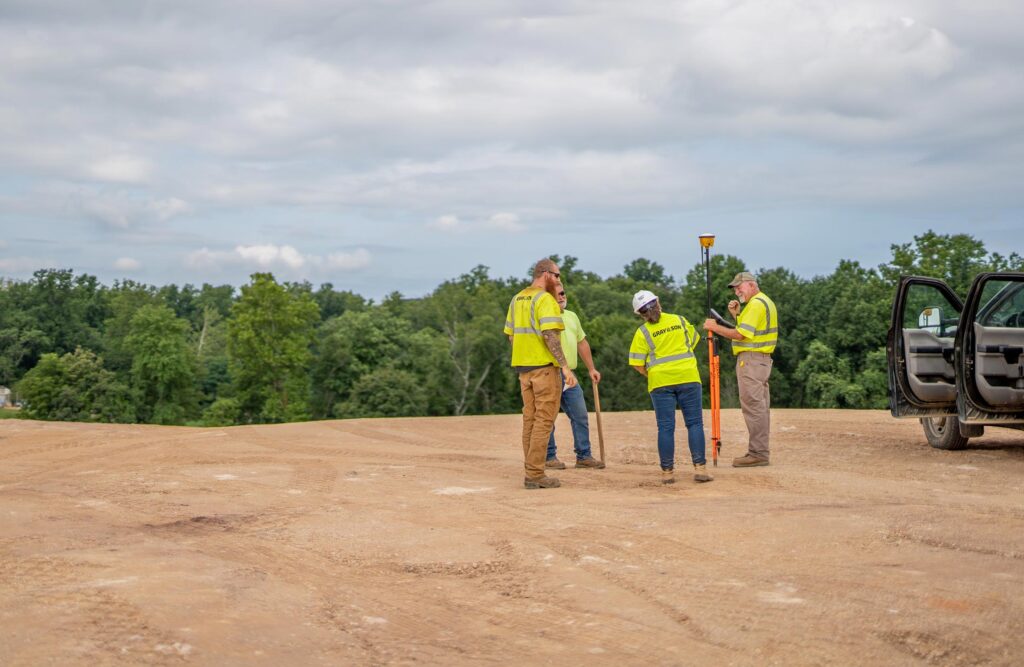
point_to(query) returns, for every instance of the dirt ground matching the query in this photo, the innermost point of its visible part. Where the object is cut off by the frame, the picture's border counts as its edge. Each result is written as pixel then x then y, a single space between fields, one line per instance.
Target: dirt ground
pixel 412 541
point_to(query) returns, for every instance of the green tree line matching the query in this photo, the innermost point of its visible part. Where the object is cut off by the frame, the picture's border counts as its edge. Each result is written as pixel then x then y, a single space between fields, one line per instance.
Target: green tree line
pixel 272 351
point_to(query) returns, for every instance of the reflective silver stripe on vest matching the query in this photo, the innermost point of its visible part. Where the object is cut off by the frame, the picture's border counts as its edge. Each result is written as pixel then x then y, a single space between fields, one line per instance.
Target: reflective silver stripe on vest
pixel 765 343
pixel 533 317
pixel 686 333
pixel 533 313
pixel 672 357
pixel 758 332
pixel 638 356
pixel 767 314
pixel 654 359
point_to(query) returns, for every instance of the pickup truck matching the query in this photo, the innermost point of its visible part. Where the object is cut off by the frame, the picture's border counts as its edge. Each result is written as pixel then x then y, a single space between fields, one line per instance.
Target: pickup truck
pixel 958 366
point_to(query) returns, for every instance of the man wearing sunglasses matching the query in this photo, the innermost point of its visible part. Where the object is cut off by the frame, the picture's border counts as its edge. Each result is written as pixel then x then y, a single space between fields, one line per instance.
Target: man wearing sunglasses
pixel 575 344
pixel 533 325
pixel 663 352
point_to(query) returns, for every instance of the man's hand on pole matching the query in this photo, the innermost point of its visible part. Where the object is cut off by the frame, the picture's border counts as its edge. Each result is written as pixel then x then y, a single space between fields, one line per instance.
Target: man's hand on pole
pixel 583 349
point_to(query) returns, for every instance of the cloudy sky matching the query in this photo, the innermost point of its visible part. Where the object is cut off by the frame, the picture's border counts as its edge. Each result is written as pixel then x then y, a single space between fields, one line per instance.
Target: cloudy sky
pixel 390 145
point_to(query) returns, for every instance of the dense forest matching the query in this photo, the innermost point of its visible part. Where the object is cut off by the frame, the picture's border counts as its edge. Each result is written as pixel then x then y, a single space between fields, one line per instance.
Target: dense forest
pixel 74 349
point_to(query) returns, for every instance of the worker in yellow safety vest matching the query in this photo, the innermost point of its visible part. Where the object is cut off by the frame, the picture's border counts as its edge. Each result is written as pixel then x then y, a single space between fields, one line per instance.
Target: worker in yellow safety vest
pixel 533 325
pixel 663 352
pixel 753 341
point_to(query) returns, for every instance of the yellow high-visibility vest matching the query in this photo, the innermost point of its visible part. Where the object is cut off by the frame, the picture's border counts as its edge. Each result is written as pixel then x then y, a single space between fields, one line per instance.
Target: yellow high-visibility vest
pixel 759 326
pixel 666 350
pixel 531 312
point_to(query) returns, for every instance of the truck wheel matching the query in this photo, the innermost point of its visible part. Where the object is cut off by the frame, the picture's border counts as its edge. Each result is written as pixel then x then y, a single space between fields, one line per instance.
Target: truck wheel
pixel 943 433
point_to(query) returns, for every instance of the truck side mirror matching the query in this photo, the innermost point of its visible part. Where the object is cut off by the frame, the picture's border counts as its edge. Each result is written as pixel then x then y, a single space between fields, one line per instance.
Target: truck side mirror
pixel 930 319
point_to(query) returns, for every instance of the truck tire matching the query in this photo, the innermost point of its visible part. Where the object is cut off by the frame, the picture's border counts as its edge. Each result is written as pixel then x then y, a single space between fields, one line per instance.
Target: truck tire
pixel 943 433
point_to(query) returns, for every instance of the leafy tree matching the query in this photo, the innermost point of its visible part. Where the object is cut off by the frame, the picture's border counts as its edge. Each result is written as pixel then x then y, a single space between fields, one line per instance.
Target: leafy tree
pixel 20 346
pixel 385 392
pixel 645 271
pixel 183 301
pixel 163 365
pixel 75 387
pixel 954 258
pixel 470 314
pixel 874 379
pixel 126 298
pixel 358 343
pixel 269 337
pixel 333 303
pixel 222 412
pixel 859 312
pixel 828 379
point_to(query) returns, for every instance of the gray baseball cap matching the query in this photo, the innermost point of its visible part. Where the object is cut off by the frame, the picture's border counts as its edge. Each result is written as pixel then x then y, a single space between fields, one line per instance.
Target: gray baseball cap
pixel 742 277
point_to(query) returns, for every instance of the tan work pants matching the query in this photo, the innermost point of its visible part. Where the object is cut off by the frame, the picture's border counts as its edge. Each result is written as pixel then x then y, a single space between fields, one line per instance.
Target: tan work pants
pixel 752 371
pixel 542 392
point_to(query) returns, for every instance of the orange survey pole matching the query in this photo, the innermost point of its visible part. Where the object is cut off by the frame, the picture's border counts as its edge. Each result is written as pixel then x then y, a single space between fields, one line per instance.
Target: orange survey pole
pixel 706 242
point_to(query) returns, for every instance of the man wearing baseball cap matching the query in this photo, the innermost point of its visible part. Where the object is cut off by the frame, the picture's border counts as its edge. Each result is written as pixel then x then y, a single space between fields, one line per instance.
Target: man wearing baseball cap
pixel 753 341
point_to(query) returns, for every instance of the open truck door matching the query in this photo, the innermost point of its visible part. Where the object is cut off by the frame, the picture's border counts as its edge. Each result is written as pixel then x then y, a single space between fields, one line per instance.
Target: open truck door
pixel 920 349
pixel 990 353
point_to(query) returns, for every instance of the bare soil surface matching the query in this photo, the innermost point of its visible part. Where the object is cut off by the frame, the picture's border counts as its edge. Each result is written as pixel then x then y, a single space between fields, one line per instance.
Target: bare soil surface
pixel 412 541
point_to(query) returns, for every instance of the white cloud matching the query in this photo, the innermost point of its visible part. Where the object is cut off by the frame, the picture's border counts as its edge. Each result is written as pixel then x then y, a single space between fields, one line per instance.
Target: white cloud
pixel 505 222
pixel 612 114
pixel 127 264
pixel 274 257
pixel 349 261
pixel 445 223
pixel 165 209
pixel 269 255
pixel 121 169
pixel 500 222
pixel 24 264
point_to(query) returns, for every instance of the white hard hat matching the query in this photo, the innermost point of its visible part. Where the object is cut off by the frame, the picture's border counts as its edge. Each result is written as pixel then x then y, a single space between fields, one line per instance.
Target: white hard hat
pixel 641 299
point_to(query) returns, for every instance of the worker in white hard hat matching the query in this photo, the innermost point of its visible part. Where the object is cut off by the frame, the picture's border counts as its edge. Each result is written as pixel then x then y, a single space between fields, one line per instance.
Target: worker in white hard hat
pixel 663 352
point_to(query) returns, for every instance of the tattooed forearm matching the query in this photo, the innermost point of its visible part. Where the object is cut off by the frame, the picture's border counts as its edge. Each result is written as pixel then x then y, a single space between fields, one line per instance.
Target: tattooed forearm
pixel 553 339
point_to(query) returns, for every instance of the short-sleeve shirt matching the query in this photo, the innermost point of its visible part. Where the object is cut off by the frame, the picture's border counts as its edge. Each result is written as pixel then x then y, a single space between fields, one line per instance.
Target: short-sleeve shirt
pixel 571 337
pixel 758 323
pixel 531 312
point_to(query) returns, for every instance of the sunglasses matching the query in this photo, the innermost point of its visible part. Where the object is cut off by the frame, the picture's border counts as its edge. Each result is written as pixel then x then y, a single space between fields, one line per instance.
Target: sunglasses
pixel 555 274
pixel 646 309
pixel 561 294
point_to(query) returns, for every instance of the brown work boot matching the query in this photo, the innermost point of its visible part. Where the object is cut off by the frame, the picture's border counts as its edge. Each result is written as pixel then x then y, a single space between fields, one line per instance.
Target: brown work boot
pixel 554 463
pixel 589 462
pixel 668 476
pixel 748 461
pixel 700 473
pixel 542 483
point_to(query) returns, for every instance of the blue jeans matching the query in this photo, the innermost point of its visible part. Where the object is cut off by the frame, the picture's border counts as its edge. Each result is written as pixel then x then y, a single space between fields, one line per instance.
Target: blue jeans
pixel 575 408
pixel 688 398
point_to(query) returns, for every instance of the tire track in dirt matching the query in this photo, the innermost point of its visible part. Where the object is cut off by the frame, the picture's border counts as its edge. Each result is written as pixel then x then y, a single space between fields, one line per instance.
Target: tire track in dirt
pixel 356 621
pixel 111 629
